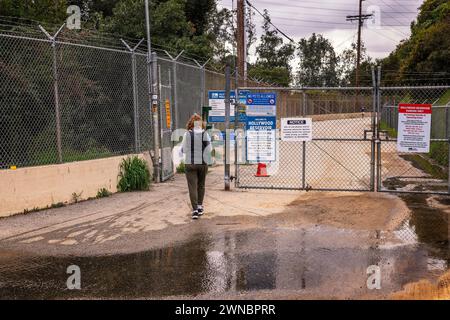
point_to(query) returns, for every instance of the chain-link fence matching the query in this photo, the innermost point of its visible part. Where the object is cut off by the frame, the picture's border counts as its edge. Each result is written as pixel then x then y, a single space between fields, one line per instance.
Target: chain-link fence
pixel 76 97
pixel 65 102
pixel 340 155
pixel 414 171
pixel 354 144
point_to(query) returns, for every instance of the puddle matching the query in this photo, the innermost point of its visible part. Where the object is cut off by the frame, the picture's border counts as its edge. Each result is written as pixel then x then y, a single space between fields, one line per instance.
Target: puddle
pixel 430 226
pixel 319 261
pixel 324 261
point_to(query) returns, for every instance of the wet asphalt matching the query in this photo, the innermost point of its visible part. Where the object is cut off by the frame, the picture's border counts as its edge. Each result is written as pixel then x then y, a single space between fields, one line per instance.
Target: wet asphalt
pixel 314 261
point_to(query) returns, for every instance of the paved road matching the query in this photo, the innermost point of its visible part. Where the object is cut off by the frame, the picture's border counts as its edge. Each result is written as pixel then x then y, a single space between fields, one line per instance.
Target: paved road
pixel 250 244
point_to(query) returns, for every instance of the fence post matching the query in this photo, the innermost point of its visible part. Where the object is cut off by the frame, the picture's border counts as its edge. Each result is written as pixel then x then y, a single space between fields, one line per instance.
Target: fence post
pixel 236 126
pixel 447 112
pixel 155 114
pixel 374 131
pixel 304 144
pixel 203 85
pixel 137 142
pixel 176 121
pixel 377 123
pixel 56 89
pixel 135 104
pixel 227 127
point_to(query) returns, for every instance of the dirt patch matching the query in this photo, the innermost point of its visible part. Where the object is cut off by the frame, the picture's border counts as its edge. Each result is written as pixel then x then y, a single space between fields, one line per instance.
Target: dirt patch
pixel 425 290
pixel 364 211
pixel 441 203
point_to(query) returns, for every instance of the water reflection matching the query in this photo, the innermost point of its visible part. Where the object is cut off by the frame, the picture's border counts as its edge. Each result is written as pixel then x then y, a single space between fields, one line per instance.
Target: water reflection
pixel 322 260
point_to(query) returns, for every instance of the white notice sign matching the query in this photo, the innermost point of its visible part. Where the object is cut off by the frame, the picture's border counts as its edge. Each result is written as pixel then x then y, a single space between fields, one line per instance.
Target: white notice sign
pixel 296 129
pixel 414 127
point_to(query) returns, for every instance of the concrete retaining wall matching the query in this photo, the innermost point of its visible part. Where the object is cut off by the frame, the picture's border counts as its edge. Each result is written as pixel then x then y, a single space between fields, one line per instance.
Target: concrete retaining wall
pixel 39 187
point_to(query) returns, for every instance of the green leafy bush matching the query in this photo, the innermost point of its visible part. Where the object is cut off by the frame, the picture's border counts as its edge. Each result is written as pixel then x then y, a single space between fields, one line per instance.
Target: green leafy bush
pixel 181 168
pixel 103 193
pixel 133 175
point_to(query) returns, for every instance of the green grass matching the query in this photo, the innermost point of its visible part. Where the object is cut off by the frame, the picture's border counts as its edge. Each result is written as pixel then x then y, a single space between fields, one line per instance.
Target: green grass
pixel 391 131
pixel 70 155
pixel 439 152
pixel 444 99
pixel 49 156
pixel 426 166
pixel 133 175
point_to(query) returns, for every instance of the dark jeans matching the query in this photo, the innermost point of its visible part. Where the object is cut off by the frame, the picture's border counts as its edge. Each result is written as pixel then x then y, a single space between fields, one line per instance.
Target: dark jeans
pixel 196 176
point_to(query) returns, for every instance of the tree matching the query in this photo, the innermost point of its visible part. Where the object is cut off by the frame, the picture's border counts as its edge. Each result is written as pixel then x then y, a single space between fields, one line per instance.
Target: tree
pixel 318 62
pixel 346 68
pixel 423 58
pixel 273 62
pixel 50 11
pixel 176 24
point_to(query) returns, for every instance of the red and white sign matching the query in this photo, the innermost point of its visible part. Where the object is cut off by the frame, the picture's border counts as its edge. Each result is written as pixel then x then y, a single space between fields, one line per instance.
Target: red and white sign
pixel 414 128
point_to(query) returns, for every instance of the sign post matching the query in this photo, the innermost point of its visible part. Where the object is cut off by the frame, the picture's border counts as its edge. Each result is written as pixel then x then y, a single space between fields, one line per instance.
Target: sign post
pixel 414 128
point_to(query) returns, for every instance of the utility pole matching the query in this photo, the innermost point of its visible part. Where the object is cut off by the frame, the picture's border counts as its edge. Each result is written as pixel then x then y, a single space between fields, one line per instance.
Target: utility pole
pixel 152 93
pixel 360 18
pixel 240 42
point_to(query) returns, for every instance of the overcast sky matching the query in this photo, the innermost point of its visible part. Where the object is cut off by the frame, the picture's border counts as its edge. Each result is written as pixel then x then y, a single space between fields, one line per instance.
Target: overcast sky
pixel 300 18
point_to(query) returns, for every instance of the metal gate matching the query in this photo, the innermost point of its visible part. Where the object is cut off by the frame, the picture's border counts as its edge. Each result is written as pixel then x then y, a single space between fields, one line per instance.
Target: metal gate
pixel 354 145
pixel 341 155
pixel 413 172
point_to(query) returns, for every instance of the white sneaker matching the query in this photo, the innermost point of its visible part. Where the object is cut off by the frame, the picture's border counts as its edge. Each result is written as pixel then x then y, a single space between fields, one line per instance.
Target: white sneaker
pixel 200 210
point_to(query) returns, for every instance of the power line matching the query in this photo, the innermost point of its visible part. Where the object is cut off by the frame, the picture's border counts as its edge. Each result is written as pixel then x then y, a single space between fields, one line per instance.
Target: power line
pixel 326 9
pixel 270 22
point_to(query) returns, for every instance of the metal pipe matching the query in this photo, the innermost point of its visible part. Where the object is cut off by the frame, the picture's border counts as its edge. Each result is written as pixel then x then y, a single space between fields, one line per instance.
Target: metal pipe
pixel 227 127
pixel 414 88
pixel 308 88
pixel 135 103
pixel 52 40
pixel 57 106
pixel 378 95
pixel 153 98
pixel 374 131
pixel 176 118
pixel 155 114
pixel 447 112
pixel 304 108
pixel 236 127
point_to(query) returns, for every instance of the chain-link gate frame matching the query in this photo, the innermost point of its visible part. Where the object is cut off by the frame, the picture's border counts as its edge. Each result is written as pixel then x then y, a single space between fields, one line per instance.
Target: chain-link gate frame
pixel 340 159
pixel 165 76
pixel 412 172
pixel 386 171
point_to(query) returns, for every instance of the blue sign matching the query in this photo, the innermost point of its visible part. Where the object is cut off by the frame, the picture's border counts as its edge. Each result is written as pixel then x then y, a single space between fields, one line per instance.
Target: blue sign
pixel 261 123
pixel 261 139
pixel 217 104
pixel 261 104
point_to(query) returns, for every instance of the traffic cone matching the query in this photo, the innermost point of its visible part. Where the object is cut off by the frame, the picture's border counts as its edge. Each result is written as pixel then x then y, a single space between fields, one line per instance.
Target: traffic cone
pixel 261 171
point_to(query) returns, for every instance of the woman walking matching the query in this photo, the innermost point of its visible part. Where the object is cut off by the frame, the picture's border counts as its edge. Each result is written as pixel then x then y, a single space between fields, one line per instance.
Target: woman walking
pixel 196 146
